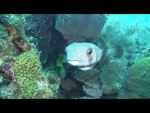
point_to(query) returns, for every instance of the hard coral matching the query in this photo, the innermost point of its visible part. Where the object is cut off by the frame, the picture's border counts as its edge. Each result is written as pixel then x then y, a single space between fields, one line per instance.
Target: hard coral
pixel 68 85
pixel 12 30
pixel 112 76
pixel 54 80
pixel 19 37
pixel 7 68
pixel 8 92
pixel 137 83
pixel 21 44
pixel 45 90
pixel 69 88
pixel 32 83
pixel 13 20
pixel 78 27
pixel 27 63
pixel 26 68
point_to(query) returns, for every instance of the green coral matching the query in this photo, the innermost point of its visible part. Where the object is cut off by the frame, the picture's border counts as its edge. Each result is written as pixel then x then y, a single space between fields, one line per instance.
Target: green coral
pixel 27 63
pixel 26 67
pixel 28 85
pixel 138 80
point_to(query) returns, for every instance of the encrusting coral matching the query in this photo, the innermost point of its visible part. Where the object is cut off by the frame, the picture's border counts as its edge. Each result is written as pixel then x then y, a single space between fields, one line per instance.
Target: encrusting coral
pixel 137 83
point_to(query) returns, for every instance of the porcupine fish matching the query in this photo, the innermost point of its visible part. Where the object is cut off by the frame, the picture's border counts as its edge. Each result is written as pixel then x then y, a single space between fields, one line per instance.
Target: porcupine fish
pixel 85 55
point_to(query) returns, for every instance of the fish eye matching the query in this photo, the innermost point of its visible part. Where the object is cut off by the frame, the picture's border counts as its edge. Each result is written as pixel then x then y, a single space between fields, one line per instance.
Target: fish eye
pixel 89 52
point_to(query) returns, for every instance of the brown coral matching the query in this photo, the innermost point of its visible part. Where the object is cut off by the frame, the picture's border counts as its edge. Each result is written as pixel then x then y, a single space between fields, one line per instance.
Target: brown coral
pixel 18 39
pixel 12 31
pixel 68 85
pixel 8 72
pixel 20 43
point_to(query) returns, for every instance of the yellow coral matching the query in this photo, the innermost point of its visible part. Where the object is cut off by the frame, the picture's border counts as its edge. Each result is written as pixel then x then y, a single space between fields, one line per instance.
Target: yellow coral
pixel 31 82
pixel 24 68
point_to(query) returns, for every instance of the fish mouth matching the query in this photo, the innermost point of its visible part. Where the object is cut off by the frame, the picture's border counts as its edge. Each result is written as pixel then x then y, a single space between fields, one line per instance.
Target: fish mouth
pixel 90 65
pixel 76 63
pixel 73 62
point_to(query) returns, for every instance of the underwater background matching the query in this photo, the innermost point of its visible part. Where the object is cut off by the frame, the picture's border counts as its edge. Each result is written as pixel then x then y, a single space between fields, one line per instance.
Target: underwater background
pixel 74 56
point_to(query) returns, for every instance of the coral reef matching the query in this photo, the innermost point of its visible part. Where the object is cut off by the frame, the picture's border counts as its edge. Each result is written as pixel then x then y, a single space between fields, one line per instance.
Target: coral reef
pixel 3 31
pixel 8 92
pixel 27 63
pixel 54 81
pixel 112 76
pixel 92 82
pixel 7 68
pixel 137 83
pixel 70 88
pixel 21 43
pixel 90 76
pixel 94 90
pixel 27 69
pixel 38 22
pixel 14 20
pixel 6 44
pixel 27 85
pixel 22 72
pixel 32 64
pixel 78 27
pixel 15 26
pixel 68 85
pixel 45 90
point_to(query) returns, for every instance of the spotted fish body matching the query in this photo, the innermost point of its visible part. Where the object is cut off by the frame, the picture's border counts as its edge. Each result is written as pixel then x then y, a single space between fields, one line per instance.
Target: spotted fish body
pixel 83 55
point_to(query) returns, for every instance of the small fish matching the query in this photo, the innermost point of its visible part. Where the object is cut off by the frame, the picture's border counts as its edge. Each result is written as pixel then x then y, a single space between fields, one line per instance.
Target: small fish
pixel 86 55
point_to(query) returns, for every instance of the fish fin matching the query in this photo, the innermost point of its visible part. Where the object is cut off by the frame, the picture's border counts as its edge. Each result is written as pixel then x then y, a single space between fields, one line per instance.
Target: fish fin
pixel 117 52
pixel 101 42
pixel 104 53
pixel 62 72
pixel 65 59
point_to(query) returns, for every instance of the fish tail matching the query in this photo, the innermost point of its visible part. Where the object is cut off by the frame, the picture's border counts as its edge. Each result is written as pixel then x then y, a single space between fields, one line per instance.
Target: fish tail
pixel 116 52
